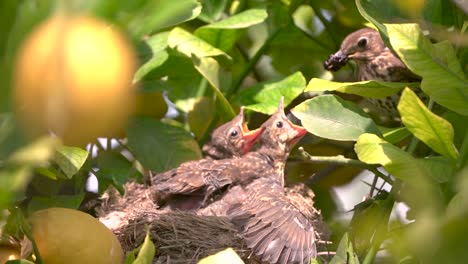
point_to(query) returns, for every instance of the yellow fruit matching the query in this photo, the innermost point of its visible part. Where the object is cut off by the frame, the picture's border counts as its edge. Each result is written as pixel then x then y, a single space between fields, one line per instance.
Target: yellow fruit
pixel 73 76
pixel 73 237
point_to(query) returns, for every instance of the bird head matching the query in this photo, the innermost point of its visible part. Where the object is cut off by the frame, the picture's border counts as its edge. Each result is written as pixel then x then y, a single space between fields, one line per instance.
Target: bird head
pixel 361 46
pixel 280 133
pixel 233 138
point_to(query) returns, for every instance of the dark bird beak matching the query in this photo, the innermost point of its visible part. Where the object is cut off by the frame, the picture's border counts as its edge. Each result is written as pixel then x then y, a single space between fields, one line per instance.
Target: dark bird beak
pixel 336 61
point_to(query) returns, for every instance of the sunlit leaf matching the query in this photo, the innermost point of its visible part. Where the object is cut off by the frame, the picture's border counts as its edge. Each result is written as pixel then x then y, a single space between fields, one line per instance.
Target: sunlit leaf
pixel 189 44
pixel 37 153
pixel 218 78
pixel 373 150
pixel 160 146
pixel 147 251
pixel 11 181
pixel 442 80
pixel 224 34
pixel 264 97
pixel 226 256
pixel 329 116
pixel 70 159
pixel 433 130
pixel 201 116
pixel 157 54
pixel 374 89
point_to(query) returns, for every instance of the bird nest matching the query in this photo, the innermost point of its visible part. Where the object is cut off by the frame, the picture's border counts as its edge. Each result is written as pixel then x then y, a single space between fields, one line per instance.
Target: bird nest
pixel 179 237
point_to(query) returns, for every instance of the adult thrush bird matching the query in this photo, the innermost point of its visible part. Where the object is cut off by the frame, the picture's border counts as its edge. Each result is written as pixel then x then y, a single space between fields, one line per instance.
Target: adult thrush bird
pixel 374 61
pixel 232 139
pixel 207 176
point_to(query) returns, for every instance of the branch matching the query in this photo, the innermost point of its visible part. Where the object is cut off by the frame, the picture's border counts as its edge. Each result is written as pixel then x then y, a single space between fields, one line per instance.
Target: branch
pixel 340 160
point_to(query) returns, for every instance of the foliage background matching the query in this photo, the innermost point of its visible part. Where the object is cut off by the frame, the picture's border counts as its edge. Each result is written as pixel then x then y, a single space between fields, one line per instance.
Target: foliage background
pixel 210 57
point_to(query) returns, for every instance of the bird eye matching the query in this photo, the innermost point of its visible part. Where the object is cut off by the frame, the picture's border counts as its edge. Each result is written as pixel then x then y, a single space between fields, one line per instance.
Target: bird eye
pixel 362 43
pixel 279 124
pixel 234 133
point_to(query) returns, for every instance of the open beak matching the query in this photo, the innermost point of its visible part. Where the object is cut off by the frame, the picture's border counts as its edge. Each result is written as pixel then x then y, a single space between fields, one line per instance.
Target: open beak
pixel 248 136
pixel 336 61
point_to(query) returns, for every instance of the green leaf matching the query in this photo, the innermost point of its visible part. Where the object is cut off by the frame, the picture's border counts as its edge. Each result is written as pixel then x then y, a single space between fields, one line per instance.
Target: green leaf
pixel 11 137
pixel 374 89
pixel 394 135
pixel 157 55
pixel 345 253
pixel 35 154
pixel 366 7
pixel 147 251
pixel 151 16
pixel 373 150
pixel 66 201
pixel 431 129
pixel 440 168
pixel 265 97
pixel 225 256
pixel 11 181
pixel 160 146
pixel 201 116
pixel 224 34
pixel 188 44
pixel 70 159
pixel 212 10
pixel 442 80
pixel 329 116
pixel 114 169
pixel 218 78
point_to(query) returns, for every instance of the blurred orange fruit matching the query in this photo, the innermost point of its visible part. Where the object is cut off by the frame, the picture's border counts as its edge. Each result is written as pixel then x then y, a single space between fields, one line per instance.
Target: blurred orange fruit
pixel 73 76
pixel 70 236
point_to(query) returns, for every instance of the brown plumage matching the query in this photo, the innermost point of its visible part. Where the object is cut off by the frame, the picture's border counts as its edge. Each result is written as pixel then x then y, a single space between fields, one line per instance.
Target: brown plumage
pixel 374 61
pixel 207 176
pixel 190 179
pixel 277 226
pixel 232 139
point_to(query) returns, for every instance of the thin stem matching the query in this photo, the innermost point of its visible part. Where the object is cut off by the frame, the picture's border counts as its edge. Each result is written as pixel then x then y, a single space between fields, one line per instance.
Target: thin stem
pixel 252 62
pixel 340 160
pixel 245 56
pixel 318 42
pixel 324 22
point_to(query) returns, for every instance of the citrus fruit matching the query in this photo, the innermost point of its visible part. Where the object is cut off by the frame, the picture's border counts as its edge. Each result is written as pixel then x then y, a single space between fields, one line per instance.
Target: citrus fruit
pixel 73 76
pixel 70 236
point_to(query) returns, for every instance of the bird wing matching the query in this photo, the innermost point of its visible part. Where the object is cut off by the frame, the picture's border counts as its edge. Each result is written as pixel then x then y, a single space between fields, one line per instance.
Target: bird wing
pixel 195 175
pixel 273 224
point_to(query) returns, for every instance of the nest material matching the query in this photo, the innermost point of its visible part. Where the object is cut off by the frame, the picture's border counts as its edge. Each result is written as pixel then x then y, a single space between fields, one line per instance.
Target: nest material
pixel 179 237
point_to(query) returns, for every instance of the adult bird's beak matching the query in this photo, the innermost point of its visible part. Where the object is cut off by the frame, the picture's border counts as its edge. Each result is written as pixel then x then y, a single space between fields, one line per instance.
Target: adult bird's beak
pixel 336 61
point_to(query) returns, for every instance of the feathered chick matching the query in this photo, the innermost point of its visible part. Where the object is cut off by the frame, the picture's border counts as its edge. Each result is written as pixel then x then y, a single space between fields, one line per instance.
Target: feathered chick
pixel 232 139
